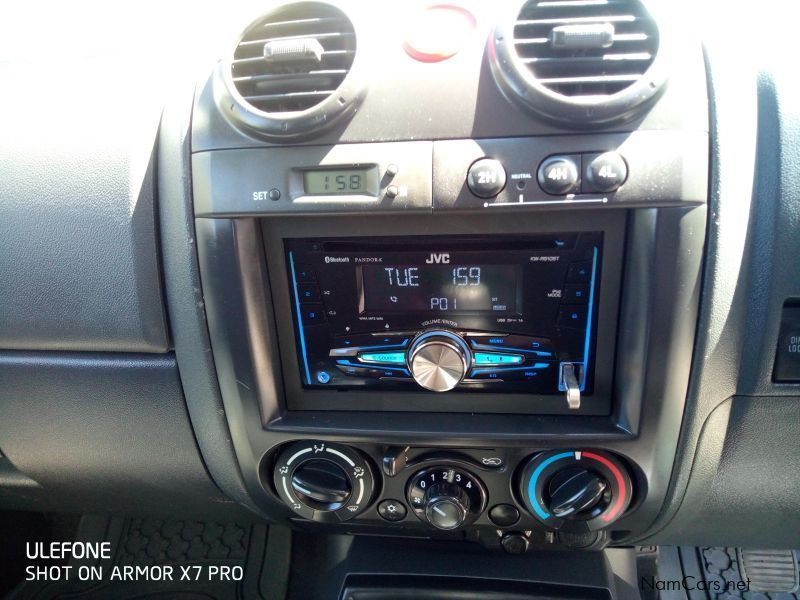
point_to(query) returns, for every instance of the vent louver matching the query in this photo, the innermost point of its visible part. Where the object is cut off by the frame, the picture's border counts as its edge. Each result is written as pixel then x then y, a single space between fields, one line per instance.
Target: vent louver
pixel 585 60
pixel 552 38
pixel 294 77
pixel 290 71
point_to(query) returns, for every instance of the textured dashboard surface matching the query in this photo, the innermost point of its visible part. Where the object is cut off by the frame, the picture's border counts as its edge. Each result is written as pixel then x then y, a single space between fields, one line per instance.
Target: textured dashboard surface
pixel 78 251
pixel 735 480
pixel 102 433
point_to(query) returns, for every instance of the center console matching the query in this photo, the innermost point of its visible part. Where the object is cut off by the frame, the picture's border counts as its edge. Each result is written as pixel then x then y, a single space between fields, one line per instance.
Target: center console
pixel 466 313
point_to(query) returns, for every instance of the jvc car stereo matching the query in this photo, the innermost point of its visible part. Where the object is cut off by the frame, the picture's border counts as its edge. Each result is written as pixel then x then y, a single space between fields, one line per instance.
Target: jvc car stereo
pixel 510 314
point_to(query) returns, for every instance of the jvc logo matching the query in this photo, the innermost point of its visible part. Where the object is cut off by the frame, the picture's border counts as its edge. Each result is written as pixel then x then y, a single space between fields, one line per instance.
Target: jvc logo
pixel 438 258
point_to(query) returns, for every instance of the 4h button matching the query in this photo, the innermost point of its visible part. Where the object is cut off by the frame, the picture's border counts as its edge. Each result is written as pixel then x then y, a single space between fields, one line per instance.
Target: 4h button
pixel 392 510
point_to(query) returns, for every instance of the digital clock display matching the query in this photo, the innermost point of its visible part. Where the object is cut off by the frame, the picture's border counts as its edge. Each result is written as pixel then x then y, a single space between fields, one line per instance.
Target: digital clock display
pixel 341 181
pixel 468 288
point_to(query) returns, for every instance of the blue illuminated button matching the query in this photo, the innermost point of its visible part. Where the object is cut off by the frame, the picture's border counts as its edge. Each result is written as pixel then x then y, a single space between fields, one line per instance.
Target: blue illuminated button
pixel 575 294
pixel 512 343
pixel 484 358
pixel 303 273
pixel 313 314
pixel 572 316
pixel 385 358
pixel 579 272
pixel 323 377
pixel 308 292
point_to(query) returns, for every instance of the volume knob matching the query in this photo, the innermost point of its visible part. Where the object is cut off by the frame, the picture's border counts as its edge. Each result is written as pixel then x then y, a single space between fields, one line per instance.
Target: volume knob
pixel 438 360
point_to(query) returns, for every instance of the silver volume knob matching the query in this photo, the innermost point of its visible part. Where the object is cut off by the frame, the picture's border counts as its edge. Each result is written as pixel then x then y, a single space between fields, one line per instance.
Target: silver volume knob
pixel 438 360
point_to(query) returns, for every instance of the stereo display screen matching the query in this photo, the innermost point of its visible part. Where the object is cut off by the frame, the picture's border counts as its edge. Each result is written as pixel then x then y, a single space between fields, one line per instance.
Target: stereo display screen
pixel 448 288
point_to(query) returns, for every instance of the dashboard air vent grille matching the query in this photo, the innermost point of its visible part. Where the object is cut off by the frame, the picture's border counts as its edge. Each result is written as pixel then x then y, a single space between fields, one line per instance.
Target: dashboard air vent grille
pixel 581 48
pixel 294 58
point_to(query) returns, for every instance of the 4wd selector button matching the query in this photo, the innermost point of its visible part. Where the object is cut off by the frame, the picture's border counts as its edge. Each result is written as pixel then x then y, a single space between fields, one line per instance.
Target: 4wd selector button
pixel 486 178
pixel 559 175
pixel 604 172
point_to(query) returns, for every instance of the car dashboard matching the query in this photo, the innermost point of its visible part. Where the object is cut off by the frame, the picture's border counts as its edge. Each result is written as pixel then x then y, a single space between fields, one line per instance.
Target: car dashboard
pixel 516 274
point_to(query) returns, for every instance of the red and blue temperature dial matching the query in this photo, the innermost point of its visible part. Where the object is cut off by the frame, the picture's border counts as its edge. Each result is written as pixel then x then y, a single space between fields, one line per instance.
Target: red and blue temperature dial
pixel 579 490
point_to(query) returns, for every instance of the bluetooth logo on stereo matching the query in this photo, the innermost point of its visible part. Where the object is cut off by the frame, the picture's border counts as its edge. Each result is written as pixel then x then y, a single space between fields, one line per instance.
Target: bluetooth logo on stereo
pixel 337 259
pixel 442 258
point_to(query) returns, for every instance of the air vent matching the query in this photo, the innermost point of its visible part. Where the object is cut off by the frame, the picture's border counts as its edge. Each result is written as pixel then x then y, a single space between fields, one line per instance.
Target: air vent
pixel 290 70
pixel 591 60
pixel 586 47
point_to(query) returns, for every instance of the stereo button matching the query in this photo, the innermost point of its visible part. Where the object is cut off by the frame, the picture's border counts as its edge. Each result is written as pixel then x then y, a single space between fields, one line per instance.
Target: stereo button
pixel 308 292
pixel 533 373
pixel 513 343
pixel 383 358
pixel 313 314
pixel 572 316
pixel 485 358
pixel 353 371
pixel 304 273
pixel 575 294
pixel 579 272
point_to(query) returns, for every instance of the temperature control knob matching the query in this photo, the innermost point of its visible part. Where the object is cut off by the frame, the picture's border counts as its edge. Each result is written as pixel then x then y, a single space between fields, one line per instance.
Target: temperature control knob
pixel 576 491
pixel 438 360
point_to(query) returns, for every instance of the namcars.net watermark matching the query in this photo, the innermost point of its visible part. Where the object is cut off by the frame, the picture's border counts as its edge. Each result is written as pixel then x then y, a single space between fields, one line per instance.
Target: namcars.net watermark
pixel 690 583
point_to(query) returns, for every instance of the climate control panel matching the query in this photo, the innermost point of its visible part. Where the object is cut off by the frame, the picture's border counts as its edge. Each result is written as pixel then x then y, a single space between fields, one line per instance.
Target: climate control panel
pixel 578 492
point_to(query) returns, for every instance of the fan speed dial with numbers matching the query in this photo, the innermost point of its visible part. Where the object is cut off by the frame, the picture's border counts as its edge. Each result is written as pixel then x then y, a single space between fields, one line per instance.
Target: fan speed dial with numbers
pixel 446 497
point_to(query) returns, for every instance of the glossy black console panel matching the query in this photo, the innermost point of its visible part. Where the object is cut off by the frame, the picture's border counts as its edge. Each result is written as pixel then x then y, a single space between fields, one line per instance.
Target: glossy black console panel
pixel 250 317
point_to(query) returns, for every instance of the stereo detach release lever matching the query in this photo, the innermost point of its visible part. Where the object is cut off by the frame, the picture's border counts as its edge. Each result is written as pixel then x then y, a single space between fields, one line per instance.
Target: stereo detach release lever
pixel 572 388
